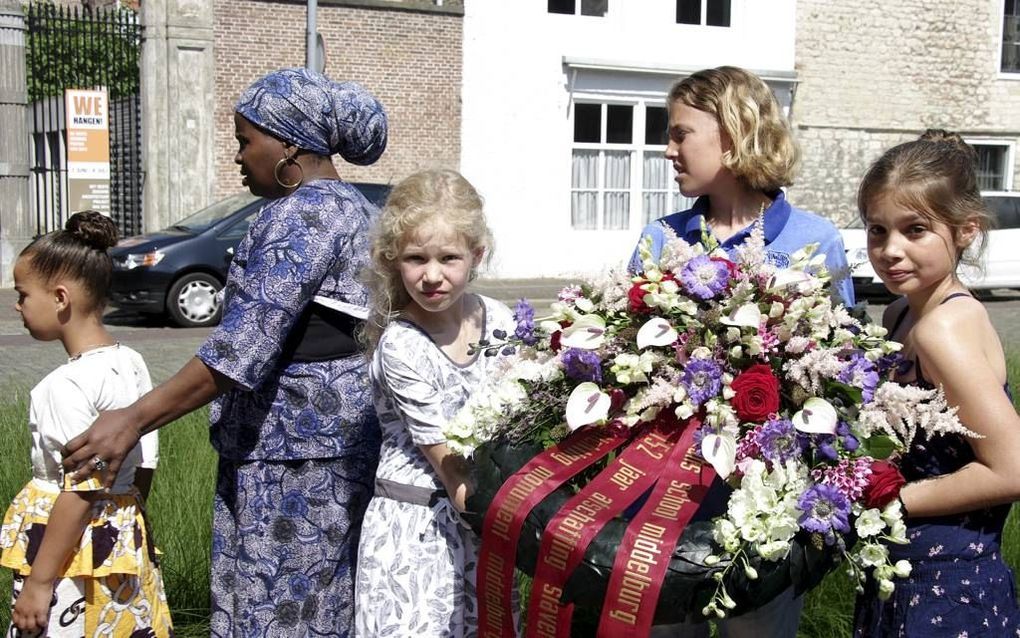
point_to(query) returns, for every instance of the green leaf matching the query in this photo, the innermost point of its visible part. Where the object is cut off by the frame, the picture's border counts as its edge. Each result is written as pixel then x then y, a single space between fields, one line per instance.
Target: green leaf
pixel 879 447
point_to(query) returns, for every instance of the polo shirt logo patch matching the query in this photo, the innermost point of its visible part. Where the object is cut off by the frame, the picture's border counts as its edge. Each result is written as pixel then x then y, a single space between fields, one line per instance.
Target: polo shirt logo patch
pixel 778 259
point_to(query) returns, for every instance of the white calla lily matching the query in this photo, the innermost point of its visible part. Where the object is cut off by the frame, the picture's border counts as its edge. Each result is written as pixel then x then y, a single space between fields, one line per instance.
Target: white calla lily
pixel 656 332
pixel 817 416
pixel 788 277
pixel 587 404
pixel 721 451
pixel 586 333
pixel 747 315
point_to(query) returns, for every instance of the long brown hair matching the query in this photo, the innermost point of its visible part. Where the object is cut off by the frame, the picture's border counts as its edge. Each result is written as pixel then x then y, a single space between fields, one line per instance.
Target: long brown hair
pixel 934 176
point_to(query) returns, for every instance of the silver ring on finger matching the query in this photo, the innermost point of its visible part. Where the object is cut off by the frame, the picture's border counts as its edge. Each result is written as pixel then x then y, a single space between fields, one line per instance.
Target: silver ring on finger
pixel 99 464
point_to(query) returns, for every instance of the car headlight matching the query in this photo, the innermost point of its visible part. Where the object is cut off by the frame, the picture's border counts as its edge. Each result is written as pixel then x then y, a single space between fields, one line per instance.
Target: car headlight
pixel 135 260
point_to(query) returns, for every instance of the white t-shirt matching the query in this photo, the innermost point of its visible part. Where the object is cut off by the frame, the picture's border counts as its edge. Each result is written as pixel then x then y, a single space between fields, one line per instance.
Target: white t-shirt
pixel 66 402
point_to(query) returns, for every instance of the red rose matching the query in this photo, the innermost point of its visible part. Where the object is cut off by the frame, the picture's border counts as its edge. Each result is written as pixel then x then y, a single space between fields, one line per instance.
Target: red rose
pixel 884 484
pixel 636 295
pixel 756 393
pixel 554 341
pixel 617 398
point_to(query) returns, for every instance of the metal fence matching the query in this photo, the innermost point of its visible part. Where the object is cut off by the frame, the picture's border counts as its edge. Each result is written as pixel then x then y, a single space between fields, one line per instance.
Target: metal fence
pixel 84 48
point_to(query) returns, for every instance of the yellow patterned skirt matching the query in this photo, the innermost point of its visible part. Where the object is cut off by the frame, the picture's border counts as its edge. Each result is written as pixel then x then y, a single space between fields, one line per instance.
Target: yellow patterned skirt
pixel 111 584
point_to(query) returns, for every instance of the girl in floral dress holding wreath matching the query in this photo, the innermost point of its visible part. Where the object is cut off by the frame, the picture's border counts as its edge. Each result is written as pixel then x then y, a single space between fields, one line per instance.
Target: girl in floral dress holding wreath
pixel 922 210
pixel 417 560
pixel 83 559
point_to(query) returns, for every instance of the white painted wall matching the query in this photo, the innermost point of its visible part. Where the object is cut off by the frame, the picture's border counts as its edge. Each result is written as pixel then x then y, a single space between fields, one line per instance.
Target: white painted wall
pixel 516 123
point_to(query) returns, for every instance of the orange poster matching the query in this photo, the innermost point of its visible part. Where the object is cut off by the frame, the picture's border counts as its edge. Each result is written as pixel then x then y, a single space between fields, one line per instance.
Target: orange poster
pixel 87 118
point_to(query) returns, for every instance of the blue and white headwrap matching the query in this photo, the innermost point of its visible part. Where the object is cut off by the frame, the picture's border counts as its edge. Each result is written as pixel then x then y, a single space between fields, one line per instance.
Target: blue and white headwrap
pixel 317 114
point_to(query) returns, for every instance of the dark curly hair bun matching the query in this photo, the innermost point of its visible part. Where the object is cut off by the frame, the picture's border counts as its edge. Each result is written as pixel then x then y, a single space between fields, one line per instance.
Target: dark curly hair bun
pixel 951 140
pixel 92 228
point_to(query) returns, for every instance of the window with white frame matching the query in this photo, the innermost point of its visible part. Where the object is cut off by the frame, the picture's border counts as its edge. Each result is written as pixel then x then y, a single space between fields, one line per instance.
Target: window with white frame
pixel 618 173
pixel 712 13
pixel 1010 37
pixel 579 7
pixel 994 164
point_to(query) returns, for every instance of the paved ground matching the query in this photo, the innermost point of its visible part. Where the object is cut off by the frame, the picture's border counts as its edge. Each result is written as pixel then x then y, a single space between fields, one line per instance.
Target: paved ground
pixel 24 361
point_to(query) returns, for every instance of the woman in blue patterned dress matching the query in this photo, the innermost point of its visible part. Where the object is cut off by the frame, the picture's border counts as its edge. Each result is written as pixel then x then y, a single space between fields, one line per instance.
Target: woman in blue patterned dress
pixel 292 420
pixel 922 209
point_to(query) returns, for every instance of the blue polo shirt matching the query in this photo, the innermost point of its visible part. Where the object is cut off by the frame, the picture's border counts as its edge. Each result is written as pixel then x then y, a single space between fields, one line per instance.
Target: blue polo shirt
pixel 787 230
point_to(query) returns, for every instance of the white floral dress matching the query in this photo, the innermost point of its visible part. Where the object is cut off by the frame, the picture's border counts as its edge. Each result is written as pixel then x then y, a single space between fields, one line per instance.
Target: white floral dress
pixel 416 563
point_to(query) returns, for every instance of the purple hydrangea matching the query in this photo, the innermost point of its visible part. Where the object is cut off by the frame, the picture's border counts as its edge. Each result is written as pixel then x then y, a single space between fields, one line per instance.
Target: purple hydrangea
pixel 704 278
pixel 846 437
pixel 825 511
pixel 703 380
pixel 860 373
pixel 777 440
pixel 524 315
pixel 582 365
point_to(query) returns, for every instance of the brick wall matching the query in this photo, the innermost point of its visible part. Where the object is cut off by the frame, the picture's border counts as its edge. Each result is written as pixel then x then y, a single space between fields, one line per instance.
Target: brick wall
pixel 876 74
pixel 411 60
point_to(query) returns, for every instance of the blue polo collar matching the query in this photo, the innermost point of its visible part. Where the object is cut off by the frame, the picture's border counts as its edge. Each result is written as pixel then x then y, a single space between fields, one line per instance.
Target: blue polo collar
pixel 776 217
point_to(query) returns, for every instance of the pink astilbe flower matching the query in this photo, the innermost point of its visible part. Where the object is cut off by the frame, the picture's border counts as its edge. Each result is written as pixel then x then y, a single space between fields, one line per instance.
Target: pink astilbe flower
pixel 849 476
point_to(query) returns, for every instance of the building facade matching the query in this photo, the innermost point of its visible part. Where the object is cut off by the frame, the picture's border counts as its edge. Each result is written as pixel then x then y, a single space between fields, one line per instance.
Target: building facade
pixel 873 75
pixel 407 52
pixel 564 116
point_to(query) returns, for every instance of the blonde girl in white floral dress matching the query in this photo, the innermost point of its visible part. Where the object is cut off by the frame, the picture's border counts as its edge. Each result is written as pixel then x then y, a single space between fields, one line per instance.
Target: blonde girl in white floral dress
pixel 416 559
pixel 83 560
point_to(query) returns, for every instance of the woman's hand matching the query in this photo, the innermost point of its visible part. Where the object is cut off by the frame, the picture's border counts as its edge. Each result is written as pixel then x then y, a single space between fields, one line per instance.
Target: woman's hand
pixel 114 433
pixel 110 438
pixel 32 609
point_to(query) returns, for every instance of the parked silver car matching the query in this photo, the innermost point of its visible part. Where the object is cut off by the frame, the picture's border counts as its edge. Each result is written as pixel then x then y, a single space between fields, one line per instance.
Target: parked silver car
pixel 999 267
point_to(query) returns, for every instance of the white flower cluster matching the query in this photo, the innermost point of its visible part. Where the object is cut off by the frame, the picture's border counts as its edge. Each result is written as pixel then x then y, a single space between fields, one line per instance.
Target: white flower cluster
pixel 763 512
pixel 900 410
pixel 875 528
pixel 486 412
pixel 813 368
pixel 612 288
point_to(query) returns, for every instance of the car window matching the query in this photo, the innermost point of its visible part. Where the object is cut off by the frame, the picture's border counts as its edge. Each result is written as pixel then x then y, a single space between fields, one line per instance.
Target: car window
pixel 209 215
pixel 1005 210
pixel 375 193
pixel 238 229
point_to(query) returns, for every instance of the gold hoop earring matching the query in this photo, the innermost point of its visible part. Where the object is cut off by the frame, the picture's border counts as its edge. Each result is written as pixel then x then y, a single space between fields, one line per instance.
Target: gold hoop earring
pixel 284 162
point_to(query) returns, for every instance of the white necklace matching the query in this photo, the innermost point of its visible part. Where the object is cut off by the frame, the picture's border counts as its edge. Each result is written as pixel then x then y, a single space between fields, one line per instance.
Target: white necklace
pixel 95 346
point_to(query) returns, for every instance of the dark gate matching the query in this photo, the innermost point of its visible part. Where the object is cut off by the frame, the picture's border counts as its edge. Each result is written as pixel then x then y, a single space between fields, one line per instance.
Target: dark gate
pixel 84 48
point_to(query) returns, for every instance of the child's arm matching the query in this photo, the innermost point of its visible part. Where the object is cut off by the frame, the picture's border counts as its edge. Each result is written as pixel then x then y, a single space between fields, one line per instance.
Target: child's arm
pixel 453 470
pixel 66 523
pixel 958 360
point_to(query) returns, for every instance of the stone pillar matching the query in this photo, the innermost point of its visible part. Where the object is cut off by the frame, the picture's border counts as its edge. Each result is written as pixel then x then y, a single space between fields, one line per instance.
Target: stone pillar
pixel 177 109
pixel 16 225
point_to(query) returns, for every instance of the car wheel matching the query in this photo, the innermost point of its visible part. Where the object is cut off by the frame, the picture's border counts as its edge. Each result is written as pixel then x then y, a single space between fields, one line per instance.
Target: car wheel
pixel 192 301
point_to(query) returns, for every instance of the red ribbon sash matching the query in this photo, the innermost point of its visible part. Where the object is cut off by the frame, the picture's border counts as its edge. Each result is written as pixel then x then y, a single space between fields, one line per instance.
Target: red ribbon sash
pixel 504 519
pixel 571 530
pixel 648 544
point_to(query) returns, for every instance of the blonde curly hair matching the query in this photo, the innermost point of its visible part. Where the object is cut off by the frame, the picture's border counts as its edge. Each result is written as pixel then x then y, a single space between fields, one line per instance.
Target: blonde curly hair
pixel 419 199
pixel 764 155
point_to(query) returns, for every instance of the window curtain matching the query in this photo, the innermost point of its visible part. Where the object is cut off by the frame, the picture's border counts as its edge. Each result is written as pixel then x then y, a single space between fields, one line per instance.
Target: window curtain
pixel 617 195
pixel 656 182
pixel 584 190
